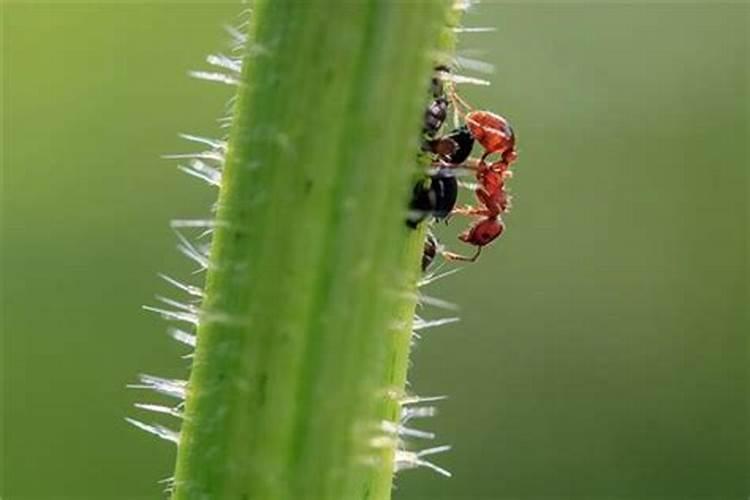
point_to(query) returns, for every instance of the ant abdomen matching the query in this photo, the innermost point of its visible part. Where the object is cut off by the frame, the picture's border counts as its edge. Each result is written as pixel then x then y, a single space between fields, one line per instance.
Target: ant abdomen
pixel 455 147
pixel 433 197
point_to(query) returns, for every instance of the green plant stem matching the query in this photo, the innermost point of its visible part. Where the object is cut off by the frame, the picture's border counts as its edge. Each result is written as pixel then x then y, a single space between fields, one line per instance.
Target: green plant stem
pixel 305 322
pixel 396 361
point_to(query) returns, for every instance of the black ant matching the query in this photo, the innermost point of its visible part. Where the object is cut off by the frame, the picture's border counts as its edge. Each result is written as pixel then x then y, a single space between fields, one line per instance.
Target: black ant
pixel 434 196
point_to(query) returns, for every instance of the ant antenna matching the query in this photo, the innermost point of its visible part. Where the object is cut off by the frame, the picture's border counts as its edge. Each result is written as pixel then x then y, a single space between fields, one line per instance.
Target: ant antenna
pixel 457 100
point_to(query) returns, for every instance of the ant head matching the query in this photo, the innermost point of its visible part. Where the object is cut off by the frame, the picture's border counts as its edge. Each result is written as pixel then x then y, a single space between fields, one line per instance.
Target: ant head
pixel 483 232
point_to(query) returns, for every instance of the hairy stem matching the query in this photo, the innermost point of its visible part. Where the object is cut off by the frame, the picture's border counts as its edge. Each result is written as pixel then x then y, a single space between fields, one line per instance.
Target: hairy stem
pixel 304 333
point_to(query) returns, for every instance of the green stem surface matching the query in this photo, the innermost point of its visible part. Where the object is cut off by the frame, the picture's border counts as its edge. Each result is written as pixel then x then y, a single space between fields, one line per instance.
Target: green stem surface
pixel 304 336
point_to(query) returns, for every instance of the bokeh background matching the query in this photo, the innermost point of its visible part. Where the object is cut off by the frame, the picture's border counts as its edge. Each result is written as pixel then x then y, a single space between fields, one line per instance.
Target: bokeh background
pixel 602 352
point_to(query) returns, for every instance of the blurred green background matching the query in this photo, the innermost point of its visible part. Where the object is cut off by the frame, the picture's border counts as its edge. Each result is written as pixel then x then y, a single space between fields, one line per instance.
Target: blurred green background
pixel 602 352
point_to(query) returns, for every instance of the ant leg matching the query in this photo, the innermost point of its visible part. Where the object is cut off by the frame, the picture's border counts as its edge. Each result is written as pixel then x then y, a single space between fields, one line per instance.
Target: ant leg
pixel 471 211
pixel 471 186
pixel 458 99
pixel 463 258
pixel 458 114
pixel 472 164
pixel 461 107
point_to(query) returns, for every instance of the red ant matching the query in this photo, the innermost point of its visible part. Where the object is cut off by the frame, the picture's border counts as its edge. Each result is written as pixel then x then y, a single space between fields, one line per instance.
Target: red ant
pixel 495 135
